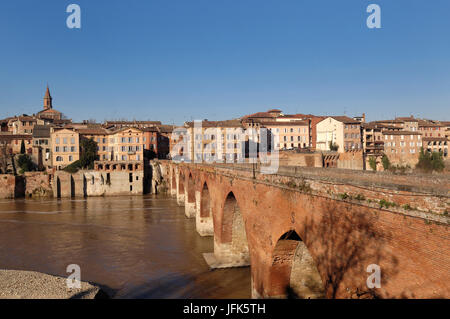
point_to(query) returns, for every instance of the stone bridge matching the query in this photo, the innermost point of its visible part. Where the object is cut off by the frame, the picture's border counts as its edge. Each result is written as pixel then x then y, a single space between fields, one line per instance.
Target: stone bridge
pixel 312 232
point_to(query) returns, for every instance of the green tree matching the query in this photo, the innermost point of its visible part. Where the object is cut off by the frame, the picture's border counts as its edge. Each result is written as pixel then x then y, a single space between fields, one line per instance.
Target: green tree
pixel 73 167
pixel 22 147
pixel 373 163
pixel 333 146
pixel 25 163
pixel 429 162
pixel 88 153
pixel 386 162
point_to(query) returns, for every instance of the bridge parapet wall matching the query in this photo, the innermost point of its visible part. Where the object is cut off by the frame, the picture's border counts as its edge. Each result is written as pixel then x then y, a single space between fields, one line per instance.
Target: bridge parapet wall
pixel 426 194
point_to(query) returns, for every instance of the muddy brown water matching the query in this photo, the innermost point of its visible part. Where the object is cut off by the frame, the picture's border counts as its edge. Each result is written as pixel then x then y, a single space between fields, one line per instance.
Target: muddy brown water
pixel 137 246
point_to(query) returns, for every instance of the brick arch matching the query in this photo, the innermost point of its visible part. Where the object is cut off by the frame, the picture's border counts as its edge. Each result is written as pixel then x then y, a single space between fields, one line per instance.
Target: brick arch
pixel 293 273
pixel 174 180
pixel 205 201
pixel 190 188
pixel 230 236
pixel 181 180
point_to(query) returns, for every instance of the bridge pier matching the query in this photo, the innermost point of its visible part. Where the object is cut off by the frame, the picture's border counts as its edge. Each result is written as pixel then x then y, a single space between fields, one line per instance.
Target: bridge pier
pixel 173 184
pixel 180 190
pixel 189 198
pixel 204 224
pixel 227 256
pixel 230 245
pixel 189 208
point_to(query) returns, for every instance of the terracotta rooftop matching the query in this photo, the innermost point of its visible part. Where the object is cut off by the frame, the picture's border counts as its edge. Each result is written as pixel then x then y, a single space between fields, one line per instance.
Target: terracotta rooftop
pixel 281 123
pixel 401 133
pixel 93 131
pixel 345 119
pixel 434 139
pixel 229 123
pixel 41 131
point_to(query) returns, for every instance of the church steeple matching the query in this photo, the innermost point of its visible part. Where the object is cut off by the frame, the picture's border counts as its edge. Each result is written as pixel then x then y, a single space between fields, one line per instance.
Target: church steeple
pixel 47 100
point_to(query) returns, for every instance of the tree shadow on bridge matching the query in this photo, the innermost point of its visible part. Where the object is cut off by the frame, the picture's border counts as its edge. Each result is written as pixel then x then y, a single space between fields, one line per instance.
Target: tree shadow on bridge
pixel 346 241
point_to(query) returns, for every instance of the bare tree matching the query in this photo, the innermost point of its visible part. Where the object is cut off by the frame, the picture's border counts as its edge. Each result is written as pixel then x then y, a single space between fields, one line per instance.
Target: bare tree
pixel 3 158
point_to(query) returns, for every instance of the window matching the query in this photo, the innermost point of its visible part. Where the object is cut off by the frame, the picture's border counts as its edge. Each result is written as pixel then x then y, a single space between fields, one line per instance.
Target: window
pixel 72 149
pixel 57 140
pixel 70 158
pixel 59 158
pixel 57 149
pixel 65 140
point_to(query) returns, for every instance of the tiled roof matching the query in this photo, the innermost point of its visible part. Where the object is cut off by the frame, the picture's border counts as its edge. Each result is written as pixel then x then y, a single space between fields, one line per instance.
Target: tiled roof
pixel 345 119
pixel 286 123
pixel 229 123
pixel 401 133
pixel 93 131
pixel 41 131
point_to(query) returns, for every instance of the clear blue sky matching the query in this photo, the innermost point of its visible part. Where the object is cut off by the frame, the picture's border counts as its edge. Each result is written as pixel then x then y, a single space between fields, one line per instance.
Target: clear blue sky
pixel 177 60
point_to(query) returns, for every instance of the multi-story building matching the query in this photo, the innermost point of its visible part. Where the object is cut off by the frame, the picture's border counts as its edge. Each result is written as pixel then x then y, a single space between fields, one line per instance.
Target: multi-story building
pixel 165 137
pixel 103 139
pixel 216 140
pixel 42 147
pixel 409 124
pixel 65 147
pixel 342 131
pixel 291 134
pixel 313 120
pixel 14 142
pixel 373 138
pixel 24 124
pixel 436 144
pixel 432 128
pixel 447 129
pixel 402 147
pixel 156 143
pixel 127 144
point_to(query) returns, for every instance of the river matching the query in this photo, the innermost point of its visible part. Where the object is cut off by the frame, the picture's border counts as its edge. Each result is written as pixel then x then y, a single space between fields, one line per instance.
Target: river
pixel 137 246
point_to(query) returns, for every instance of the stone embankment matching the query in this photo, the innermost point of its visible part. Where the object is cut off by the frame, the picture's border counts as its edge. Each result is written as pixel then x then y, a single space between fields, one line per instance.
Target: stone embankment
pixel 17 284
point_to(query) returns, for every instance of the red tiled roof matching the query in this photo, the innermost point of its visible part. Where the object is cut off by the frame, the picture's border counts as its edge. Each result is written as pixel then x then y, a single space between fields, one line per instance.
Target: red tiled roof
pixel 401 133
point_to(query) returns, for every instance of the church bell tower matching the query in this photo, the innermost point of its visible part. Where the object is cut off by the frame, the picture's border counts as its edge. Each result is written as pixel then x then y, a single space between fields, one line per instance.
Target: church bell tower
pixel 47 100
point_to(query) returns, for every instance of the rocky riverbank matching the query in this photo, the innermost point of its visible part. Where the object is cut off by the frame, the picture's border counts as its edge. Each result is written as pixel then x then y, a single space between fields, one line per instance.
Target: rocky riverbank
pixel 17 284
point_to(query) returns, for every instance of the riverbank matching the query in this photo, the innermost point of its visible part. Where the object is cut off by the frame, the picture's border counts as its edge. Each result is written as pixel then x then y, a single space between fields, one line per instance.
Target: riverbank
pixel 18 284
